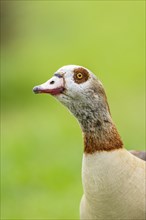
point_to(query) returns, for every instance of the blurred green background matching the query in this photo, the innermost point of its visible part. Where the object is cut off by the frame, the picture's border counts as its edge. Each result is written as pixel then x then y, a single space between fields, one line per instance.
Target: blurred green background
pixel 41 141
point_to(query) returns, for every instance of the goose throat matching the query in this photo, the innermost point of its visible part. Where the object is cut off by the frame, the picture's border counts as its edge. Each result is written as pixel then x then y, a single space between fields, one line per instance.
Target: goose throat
pixel 99 131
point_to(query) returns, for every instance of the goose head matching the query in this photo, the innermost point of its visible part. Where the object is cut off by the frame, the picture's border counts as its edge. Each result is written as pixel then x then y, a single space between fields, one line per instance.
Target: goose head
pixel 69 82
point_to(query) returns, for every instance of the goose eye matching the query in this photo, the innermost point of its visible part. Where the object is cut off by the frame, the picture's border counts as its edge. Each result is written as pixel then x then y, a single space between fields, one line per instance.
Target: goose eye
pixel 79 75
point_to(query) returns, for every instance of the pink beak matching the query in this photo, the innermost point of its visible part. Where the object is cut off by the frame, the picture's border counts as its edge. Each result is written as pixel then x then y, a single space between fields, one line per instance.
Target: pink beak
pixel 53 86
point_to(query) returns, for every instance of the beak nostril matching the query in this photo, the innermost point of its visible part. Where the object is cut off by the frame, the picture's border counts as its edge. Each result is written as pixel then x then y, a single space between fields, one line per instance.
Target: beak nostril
pixel 52 82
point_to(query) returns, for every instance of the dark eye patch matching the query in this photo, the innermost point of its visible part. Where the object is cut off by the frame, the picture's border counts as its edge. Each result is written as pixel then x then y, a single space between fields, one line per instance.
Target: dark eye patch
pixel 78 72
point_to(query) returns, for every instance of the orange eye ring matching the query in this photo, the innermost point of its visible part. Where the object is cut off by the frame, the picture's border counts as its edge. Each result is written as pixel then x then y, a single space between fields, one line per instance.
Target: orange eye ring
pixel 79 75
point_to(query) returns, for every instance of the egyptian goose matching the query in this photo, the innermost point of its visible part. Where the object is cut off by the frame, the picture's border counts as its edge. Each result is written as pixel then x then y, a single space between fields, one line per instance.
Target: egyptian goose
pixel 113 178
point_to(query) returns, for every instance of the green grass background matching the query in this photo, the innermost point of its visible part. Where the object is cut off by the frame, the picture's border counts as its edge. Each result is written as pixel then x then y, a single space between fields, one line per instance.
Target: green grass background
pixel 41 143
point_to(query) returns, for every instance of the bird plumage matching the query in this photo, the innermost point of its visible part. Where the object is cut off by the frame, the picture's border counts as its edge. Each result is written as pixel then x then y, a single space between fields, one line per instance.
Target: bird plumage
pixel 113 179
